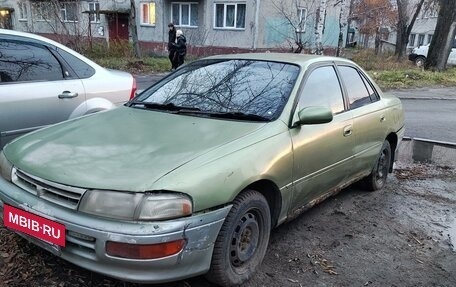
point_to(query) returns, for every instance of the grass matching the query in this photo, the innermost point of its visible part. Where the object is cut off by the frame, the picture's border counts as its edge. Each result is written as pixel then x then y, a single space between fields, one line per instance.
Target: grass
pixel 389 73
pixel 384 69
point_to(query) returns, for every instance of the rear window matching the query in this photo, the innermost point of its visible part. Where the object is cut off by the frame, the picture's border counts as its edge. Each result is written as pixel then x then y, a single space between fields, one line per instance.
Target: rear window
pixel 82 69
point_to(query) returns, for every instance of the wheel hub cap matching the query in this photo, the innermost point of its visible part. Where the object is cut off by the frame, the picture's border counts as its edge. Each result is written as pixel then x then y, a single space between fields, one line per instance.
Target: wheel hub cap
pixel 245 239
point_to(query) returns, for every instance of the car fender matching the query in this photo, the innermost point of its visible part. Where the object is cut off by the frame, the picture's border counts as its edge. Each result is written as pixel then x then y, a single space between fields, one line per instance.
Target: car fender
pixel 92 106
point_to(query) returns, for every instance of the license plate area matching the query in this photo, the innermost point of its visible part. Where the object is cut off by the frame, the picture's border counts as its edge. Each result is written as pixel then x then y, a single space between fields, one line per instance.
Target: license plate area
pixel 44 232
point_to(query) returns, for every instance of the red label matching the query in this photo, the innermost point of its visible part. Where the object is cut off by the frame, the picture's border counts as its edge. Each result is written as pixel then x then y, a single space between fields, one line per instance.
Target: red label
pixel 34 225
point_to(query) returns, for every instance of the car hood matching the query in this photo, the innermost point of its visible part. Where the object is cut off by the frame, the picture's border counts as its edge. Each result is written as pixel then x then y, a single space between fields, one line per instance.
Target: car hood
pixel 122 149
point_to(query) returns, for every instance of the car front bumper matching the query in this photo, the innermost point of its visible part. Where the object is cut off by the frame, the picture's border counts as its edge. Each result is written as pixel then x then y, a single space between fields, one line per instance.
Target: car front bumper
pixel 86 238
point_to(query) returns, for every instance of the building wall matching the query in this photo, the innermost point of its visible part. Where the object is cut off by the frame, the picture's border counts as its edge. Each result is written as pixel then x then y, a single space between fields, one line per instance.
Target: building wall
pixel 265 27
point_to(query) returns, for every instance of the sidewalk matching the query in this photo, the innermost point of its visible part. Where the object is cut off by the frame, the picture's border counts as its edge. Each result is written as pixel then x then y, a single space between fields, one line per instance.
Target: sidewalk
pixel 447 93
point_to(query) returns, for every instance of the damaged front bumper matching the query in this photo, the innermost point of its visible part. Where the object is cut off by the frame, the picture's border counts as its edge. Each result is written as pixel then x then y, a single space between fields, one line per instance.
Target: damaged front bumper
pixel 86 238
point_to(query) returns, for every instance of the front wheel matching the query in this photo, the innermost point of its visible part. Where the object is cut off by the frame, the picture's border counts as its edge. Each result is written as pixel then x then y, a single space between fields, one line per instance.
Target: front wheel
pixel 242 242
pixel 377 178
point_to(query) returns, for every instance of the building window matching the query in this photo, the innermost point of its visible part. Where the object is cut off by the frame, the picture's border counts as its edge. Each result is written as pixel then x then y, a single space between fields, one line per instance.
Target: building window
pixel 69 11
pixel 42 11
pixel 184 14
pixel 302 17
pixel 22 11
pixel 420 40
pixel 230 16
pixel 94 8
pixel 412 40
pixel 429 38
pixel 148 13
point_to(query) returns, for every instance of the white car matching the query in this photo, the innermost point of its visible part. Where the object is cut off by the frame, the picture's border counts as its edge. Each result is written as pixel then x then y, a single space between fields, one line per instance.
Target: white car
pixel 419 55
pixel 43 82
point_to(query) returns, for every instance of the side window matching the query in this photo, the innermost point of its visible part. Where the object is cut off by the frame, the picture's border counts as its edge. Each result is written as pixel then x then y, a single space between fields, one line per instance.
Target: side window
pixel 322 88
pixel 24 62
pixel 358 94
pixel 81 69
pixel 373 95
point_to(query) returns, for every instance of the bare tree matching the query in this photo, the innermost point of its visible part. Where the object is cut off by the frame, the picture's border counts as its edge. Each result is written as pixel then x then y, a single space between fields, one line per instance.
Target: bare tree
pixel 343 23
pixel 321 14
pixel 294 18
pixel 443 38
pixel 373 17
pixel 62 19
pixel 408 11
pixel 134 29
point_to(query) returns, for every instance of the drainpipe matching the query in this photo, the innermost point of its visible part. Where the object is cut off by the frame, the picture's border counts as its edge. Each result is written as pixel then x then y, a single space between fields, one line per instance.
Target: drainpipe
pixel 257 16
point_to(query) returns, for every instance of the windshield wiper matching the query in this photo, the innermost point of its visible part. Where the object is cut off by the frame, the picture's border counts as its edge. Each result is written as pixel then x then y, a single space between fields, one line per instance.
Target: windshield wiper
pixel 166 107
pixel 241 116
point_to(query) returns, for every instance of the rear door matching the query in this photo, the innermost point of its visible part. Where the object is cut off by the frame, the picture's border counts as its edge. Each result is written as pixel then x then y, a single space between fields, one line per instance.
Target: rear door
pixel 36 87
pixel 369 118
pixel 323 153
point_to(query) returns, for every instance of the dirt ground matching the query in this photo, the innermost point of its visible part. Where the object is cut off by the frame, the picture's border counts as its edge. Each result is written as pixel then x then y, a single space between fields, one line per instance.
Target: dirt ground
pixel 404 235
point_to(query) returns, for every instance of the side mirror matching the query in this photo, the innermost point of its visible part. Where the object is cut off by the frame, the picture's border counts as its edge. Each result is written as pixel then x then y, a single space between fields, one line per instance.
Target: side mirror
pixel 314 115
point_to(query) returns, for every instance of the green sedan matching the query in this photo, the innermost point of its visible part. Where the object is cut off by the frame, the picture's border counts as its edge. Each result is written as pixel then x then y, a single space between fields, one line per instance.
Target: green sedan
pixel 190 176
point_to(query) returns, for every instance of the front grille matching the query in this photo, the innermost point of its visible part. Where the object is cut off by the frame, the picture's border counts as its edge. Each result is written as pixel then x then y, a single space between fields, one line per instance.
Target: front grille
pixel 60 194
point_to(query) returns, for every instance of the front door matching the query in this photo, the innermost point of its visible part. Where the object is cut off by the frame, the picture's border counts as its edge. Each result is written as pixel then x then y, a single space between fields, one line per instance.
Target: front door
pixel 323 153
pixel 118 27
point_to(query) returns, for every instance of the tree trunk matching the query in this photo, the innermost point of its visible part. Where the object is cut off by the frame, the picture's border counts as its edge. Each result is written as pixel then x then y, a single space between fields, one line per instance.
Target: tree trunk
pixel 320 26
pixel 134 29
pixel 443 38
pixel 403 27
pixel 343 19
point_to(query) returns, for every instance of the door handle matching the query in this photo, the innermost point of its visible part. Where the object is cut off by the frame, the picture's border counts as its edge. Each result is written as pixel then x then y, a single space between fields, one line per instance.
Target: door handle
pixel 382 118
pixel 348 131
pixel 67 95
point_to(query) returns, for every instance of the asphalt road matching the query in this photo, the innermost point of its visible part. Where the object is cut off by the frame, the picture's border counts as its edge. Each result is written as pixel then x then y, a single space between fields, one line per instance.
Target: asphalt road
pixel 430 113
pixel 430 119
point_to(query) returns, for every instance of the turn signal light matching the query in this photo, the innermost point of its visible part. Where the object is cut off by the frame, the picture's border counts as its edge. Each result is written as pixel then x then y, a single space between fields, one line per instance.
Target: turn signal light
pixel 144 251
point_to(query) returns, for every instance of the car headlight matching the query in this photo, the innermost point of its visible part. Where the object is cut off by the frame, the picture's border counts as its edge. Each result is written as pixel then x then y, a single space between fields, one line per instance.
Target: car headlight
pixel 136 206
pixel 6 167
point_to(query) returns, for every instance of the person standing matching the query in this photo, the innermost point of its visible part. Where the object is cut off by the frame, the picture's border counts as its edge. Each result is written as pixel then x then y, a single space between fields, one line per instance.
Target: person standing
pixel 181 48
pixel 171 45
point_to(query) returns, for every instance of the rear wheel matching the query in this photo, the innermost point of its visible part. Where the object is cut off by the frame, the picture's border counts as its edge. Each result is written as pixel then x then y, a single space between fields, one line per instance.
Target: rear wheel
pixel 377 178
pixel 242 242
pixel 419 61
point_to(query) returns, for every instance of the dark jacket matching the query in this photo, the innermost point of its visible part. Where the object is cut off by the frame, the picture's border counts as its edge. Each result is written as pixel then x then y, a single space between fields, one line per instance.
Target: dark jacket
pixel 171 39
pixel 181 45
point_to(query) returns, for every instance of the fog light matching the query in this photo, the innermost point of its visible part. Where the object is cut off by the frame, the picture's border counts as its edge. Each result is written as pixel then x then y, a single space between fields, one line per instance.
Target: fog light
pixel 144 251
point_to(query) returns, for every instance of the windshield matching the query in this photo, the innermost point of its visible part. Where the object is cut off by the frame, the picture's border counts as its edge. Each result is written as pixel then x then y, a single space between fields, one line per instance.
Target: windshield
pixel 218 87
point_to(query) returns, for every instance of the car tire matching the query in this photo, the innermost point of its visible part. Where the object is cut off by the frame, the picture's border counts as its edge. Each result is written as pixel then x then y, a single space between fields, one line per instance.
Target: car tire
pixel 242 241
pixel 376 180
pixel 419 61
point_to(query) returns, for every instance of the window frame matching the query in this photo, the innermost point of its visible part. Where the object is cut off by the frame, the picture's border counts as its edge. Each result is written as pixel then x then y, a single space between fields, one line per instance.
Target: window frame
pixel 23 11
pixel 412 37
pixel 304 82
pixel 66 72
pixel 148 23
pixel 225 4
pixel 180 14
pixel 364 79
pixel 301 21
pixel 64 14
pixel 96 16
pixel 38 11
pixel 421 38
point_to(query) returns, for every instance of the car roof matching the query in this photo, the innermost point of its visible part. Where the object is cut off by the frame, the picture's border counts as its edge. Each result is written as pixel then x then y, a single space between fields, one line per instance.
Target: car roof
pixel 28 35
pixel 51 42
pixel 292 58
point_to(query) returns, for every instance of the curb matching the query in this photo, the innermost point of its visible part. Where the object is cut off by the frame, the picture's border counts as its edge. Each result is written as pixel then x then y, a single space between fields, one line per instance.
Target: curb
pixel 423 140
